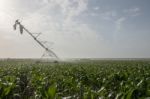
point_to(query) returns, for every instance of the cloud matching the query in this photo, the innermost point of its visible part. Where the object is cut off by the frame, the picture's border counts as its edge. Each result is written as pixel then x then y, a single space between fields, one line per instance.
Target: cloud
pixel 64 17
pixel 108 15
pixel 59 21
pixel 128 13
pixel 118 28
pixel 96 8
pixel 133 11
pixel 119 23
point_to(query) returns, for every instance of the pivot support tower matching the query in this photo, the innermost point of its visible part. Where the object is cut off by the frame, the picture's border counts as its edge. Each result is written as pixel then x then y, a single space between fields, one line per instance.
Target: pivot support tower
pixel 48 52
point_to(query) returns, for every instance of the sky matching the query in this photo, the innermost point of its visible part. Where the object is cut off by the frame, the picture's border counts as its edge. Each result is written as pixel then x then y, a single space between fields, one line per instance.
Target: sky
pixel 76 28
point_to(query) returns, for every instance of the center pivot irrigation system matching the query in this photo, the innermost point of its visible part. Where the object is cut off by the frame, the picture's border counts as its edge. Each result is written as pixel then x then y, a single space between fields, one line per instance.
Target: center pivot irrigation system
pixel 48 52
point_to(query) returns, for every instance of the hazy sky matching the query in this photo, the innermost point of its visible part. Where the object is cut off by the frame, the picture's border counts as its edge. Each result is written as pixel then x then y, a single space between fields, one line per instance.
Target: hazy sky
pixel 77 28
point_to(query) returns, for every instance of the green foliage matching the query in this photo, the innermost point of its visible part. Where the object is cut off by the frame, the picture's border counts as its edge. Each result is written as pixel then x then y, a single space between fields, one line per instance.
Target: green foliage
pixel 76 80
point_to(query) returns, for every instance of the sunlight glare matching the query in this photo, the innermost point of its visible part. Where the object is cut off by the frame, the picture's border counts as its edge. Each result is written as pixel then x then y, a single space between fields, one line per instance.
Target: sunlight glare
pixel 5 12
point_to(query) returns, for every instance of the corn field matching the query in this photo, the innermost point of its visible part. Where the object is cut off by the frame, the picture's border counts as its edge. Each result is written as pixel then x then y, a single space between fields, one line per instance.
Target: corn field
pixel 91 79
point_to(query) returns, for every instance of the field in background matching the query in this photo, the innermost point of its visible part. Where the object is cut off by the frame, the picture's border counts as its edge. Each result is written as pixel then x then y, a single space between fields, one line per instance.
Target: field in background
pixel 76 79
